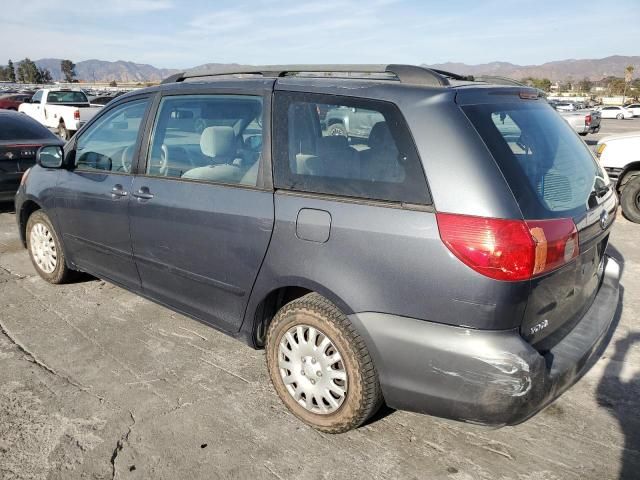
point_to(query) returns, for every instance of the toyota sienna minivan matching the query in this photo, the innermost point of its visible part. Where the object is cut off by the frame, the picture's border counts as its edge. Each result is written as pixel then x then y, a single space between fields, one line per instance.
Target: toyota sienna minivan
pixel 447 255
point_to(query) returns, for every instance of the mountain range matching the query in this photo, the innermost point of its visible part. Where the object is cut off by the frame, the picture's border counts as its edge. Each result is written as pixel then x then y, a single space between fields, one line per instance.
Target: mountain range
pixel 594 69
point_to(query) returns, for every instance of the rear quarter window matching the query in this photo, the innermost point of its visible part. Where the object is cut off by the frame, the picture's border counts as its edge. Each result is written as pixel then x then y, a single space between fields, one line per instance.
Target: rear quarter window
pixel 346 146
pixel 549 169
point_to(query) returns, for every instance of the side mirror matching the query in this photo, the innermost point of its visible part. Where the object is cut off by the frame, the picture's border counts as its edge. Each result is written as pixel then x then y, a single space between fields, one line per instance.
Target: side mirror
pixel 50 156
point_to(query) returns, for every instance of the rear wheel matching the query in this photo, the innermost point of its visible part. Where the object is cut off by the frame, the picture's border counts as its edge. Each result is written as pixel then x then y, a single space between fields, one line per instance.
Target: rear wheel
pixel 45 250
pixel 320 366
pixel 630 198
pixel 63 133
pixel 337 129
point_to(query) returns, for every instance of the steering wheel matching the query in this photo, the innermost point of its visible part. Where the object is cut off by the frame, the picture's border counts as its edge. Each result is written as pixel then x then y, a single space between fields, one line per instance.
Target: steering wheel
pixel 126 159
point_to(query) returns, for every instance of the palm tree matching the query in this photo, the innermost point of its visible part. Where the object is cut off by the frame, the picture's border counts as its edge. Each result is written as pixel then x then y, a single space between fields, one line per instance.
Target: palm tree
pixel 628 76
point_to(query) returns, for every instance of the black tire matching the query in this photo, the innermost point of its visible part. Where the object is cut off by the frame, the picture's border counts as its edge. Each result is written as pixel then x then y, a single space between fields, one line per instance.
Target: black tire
pixel 630 198
pixel 337 129
pixel 620 116
pixel 363 395
pixel 63 133
pixel 583 134
pixel 60 274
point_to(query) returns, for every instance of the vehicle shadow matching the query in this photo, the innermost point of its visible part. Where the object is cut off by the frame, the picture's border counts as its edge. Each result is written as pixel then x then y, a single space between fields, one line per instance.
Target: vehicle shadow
pixel 7 207
pixel 620 395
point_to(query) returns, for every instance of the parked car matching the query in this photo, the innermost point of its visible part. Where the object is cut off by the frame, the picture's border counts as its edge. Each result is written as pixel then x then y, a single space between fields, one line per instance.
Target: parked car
pixel 583 121
pixel 620 113
pixel 453 264
pixel 100 101
pixel 620 157
pixel 565 106
pixel 62 110
pixel 351 122
pixel 20 138
pixel 634 108
pixel 12 102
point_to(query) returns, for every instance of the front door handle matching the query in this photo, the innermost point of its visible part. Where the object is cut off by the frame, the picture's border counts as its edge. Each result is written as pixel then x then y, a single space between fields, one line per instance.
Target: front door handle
pixel 117 191
pixel 143 194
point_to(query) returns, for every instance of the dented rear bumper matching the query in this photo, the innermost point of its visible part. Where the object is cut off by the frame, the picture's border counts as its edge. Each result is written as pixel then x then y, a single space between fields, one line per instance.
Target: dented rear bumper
pixel 481 376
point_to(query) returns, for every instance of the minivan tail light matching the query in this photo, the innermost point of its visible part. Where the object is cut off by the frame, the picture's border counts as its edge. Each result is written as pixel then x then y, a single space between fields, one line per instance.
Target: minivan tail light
pixel 76 115
pixel 509 250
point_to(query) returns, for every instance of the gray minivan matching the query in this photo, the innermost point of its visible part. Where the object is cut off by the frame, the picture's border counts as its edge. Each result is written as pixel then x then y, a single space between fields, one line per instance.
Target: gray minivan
pixel 449 259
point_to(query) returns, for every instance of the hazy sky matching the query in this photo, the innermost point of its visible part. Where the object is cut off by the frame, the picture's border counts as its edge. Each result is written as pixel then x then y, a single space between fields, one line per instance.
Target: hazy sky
pixel 184 33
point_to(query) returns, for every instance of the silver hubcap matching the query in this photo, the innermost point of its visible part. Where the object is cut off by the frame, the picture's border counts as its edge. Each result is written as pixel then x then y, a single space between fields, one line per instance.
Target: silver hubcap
pixel 43 248
pixel 312 369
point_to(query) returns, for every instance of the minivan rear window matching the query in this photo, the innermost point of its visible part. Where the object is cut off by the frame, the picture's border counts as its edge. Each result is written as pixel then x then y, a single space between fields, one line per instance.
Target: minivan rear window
pixel 549 169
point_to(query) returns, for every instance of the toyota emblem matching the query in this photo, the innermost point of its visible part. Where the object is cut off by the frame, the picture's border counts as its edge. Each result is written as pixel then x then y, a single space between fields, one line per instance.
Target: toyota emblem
pixel 604 218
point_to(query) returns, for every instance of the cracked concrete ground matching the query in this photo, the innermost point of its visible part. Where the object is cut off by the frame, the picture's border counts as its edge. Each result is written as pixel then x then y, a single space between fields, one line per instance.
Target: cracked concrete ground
pixel 96 383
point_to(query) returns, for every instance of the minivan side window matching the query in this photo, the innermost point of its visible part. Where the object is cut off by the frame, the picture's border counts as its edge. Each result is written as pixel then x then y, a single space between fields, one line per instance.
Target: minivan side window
pixel 110 143
pixel 346 146
pixel 210 138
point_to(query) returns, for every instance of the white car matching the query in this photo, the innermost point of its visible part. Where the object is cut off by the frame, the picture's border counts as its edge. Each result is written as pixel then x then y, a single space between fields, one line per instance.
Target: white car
pixel 620 157
pixel 620 113
pixel 61 110
pixel 634 108
pixel 565 107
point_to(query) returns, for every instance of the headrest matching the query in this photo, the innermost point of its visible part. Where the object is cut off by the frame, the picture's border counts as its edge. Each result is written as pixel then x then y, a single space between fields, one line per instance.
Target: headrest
pixel 331 144
pixel 218 141
pixel 380 136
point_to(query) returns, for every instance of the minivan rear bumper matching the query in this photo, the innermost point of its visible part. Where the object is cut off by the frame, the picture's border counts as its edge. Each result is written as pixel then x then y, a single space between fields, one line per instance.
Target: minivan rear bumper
pixel 481 376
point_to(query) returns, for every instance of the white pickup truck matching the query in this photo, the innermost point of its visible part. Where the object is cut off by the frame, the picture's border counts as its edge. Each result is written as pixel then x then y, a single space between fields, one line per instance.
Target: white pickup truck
pixel 620 157
pixel 61 110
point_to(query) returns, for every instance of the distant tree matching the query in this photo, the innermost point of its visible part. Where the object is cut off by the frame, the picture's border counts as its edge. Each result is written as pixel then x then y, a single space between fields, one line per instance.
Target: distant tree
pixel 4 74
pixel 543 84
pixel 628 73
pixel 68 70
pixel 564 87
pixel 113 83
pixel 616 86
pixel 585 85
pixel 44 76
pixel 11 71
pixel 28 71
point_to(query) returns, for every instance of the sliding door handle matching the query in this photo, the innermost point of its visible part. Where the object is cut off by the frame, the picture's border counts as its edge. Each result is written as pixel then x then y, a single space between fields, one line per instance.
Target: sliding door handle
pixel 117 191
pixel 143 194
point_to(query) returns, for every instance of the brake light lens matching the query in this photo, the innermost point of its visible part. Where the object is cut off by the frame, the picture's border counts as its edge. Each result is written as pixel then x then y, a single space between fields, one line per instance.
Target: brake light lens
pixel 587 120
pixel 76 115
pixel 509 250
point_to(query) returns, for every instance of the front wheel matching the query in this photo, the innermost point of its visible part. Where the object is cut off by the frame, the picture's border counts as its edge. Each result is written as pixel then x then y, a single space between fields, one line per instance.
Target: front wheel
pixel 320 366
pixel 45 250
pixel 630 199
pixel 620 116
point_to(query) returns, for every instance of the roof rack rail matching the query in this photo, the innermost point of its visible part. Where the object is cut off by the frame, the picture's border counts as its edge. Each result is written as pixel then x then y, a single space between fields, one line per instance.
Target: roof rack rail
pixel 455 76
pixel 409 74
pixel 497 80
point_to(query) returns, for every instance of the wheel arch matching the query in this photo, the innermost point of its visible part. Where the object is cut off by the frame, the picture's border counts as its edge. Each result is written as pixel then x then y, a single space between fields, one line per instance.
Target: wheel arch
pixel 26 210
pixel 264 305
pixel 629 169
